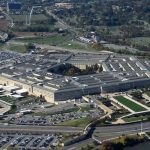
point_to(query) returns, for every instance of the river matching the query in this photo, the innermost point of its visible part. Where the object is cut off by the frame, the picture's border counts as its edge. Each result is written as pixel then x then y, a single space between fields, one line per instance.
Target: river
pixel 142 146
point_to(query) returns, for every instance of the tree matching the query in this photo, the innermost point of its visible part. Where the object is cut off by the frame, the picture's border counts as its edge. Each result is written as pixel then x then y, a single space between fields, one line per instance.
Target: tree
pixel 95 67
pixel 100 69
pixel 30 46
pixel 107 146
pixel 122 140
pixel 71 72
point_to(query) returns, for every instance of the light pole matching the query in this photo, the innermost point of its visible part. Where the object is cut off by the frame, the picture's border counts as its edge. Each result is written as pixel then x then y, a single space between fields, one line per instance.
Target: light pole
pixel 30 15
pixel 141 126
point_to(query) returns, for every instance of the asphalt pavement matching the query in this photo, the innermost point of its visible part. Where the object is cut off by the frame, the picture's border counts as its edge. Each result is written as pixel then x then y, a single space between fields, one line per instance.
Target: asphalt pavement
pixel 105 133
pixel 39 129
pixel 102 133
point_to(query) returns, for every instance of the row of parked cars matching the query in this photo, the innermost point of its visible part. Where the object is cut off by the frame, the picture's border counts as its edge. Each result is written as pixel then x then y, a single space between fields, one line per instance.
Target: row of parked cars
pixel 27 142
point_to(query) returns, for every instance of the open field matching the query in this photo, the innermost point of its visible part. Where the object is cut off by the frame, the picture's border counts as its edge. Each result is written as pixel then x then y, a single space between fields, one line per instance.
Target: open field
pixel 144 41
pixel 17 48
pixel 20 18
pixel 46 113
pixel 133 106
pixel 4 24
pixel 134 119
pixel 52 40
pixel 64 41
pixel 82 122
pixel 1 45
pixel 7 99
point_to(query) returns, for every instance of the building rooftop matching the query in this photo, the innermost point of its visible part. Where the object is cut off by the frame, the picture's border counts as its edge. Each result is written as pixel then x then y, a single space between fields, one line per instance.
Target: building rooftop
pixel 34 69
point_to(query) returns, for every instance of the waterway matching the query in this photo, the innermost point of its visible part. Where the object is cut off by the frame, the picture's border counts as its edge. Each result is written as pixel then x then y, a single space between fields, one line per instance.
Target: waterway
pixel 142 146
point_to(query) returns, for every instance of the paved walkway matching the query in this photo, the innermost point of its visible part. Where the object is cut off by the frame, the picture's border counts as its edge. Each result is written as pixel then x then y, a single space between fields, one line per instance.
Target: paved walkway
pixel 5 107
pixel 119 121
pixel 146 97
pixel 105 108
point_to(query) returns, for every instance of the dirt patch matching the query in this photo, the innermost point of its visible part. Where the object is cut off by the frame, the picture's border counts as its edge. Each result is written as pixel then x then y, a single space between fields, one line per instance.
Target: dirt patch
pixel 4 24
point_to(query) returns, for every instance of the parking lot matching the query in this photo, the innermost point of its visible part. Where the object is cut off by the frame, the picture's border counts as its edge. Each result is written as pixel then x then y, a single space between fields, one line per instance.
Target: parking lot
pixel 29 142
pixel 8 58
pixel 30 119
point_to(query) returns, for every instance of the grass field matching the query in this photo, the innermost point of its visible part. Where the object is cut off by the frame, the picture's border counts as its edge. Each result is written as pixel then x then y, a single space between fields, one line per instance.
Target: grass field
pixel 64 41
pixel 82 122
pixel 128 103
pixel 52 40
pixel 7 99
pixel 1 45
pixel 17 48
pixel 144 41
pixel 46 113
pixel 22 18
pixel 134 119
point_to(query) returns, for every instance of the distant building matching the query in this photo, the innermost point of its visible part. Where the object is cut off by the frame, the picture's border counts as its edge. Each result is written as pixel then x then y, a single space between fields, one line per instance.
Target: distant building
pixel 3 36
pixel 64 5
pixel 31 75
pixel 86 40
pixel 13 6
pixel 2 17
pixel 96 39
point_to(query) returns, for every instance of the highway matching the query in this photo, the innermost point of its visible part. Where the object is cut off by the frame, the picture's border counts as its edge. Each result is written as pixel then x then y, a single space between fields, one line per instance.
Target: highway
pixel 38 129
pixel 49 12
pixel 102 133
pixel 8 16
pixel 79 144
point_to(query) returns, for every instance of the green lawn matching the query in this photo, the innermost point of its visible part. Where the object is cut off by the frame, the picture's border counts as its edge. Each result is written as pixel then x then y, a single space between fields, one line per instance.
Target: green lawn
pixel 46 113
pixel 64 41
pixel 7 99
pixel 52 40
pixel 1 45
pixel 86 108
pixel 144 41
pixel 82 122
pixel 128 103
pixel 70 110
pixel 20 18
pixel 17 48
pixel 134 119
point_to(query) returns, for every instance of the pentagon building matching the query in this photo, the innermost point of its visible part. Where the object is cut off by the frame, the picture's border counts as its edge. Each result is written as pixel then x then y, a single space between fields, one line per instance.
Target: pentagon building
pixel 31 73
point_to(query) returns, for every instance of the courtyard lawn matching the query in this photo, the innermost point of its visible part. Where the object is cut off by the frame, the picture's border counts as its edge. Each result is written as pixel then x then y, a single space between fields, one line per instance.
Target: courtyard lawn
pixel 128 103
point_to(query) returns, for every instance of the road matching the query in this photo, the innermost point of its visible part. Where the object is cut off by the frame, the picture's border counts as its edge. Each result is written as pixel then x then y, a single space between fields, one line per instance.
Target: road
pixel 49 12
pixel 38 129
pixel 104 133
pixel 79 145
pixel 100 133
pixel 8 16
